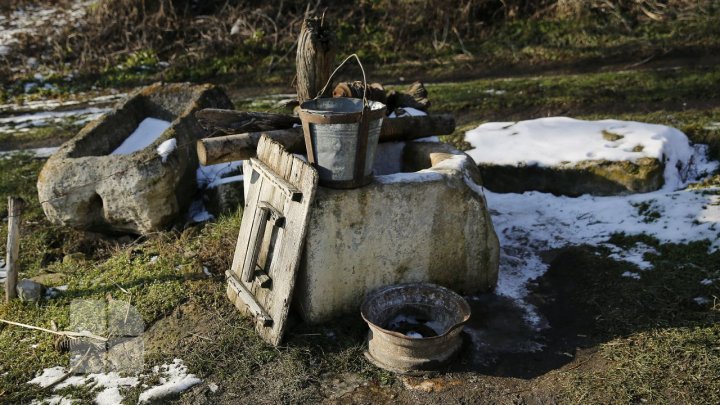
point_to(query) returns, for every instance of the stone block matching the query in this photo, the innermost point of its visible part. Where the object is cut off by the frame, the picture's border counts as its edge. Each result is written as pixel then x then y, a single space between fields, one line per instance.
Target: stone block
pixel 423 219
pixel 84 186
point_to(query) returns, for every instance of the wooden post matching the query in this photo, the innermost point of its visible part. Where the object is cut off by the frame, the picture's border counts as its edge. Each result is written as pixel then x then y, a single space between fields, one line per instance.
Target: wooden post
pixel 15 206
pixel 314 59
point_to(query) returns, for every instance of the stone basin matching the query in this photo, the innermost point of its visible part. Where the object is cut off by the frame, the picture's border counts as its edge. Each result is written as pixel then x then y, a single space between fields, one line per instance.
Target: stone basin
pixel 423 219
pixel 85 186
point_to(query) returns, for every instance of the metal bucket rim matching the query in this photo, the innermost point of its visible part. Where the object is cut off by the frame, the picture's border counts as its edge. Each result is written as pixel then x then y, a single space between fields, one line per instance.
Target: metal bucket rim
pixel 463 304
pixel 356 103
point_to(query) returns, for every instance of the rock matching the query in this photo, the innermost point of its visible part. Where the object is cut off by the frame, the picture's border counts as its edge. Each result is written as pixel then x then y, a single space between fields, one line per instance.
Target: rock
pixel 423 218
pixel 596 177
pixel 29 290
pixel 84 186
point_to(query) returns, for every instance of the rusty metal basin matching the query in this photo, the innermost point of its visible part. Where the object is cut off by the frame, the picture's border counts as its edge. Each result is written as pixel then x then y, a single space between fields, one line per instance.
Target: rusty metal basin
pixel 414 327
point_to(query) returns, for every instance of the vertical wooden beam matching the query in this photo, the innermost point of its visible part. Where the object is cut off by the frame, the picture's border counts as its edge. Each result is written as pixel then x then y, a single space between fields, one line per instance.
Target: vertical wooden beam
pixel 15 206
pixel 315 58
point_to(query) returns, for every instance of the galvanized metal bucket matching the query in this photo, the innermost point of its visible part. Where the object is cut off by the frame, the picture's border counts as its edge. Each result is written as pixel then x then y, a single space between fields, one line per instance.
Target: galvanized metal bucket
pixel 341 135
pixel 414 327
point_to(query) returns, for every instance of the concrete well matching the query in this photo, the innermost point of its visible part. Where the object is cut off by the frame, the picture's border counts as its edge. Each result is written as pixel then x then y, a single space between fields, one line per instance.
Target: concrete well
pixel 84 186
pixel 423 219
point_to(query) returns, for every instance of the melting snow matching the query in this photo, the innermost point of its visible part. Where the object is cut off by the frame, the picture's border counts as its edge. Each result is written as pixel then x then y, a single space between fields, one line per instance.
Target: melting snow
pixel 38 152
pixel 212 175
pixel 702 300
pixel 529 223
pixel 144 135
pixel 174 379
pixel 39 119
pixel 630 274
pixel 166 148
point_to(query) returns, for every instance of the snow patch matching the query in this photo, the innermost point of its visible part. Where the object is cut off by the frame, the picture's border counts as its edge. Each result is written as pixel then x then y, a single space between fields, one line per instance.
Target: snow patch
pixel 207 176
pixel 556 141
pixel 702 300
pixel 636 255
pixel 706 281
pixel 143 136
pixel 166 148
pixel 533 222
pixel 630 274
pixel 175 380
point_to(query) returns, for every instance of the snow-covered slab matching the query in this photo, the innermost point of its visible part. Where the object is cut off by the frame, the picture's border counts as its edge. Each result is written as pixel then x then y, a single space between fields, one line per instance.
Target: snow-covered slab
pixel 616 154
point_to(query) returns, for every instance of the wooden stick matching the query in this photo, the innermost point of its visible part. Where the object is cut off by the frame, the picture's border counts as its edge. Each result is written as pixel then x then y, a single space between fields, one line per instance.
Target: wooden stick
pixel 15 206
pixel 70 334
pixel 243 146
pixel 314 59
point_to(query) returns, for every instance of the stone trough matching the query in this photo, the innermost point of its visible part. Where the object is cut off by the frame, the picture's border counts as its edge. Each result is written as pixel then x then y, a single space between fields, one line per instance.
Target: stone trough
pixel 423 219
pixel 86 186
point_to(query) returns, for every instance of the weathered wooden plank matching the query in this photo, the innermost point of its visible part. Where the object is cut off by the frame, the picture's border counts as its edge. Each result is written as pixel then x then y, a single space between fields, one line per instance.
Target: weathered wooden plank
pixel 274 271
pixel 288 189
pixel 249 300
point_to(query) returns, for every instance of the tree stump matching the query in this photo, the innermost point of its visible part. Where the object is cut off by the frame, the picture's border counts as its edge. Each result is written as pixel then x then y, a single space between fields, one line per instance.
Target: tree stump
pixel 315 58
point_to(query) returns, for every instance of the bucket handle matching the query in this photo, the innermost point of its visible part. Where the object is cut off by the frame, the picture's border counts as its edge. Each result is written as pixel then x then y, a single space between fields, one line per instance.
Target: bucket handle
pixel 365 102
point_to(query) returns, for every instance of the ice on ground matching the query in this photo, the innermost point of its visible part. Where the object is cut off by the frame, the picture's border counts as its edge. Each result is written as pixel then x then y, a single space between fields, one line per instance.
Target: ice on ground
pixel 144 135
pixel 555 141
pixel 175 379
pixel 166 148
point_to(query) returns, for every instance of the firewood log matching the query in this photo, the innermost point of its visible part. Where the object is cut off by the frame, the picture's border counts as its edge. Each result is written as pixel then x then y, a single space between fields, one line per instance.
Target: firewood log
pixel 243 146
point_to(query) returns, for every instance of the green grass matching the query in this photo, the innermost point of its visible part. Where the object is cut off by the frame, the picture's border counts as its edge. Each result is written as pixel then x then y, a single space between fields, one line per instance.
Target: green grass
pixel 653 341
pixel 660 346
pixel 685 98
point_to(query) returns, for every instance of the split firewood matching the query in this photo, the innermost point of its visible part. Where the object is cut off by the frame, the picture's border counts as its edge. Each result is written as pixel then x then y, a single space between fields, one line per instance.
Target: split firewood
pixel 416 95
pixel 233 122
pixel 375 91
pixel 243 146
